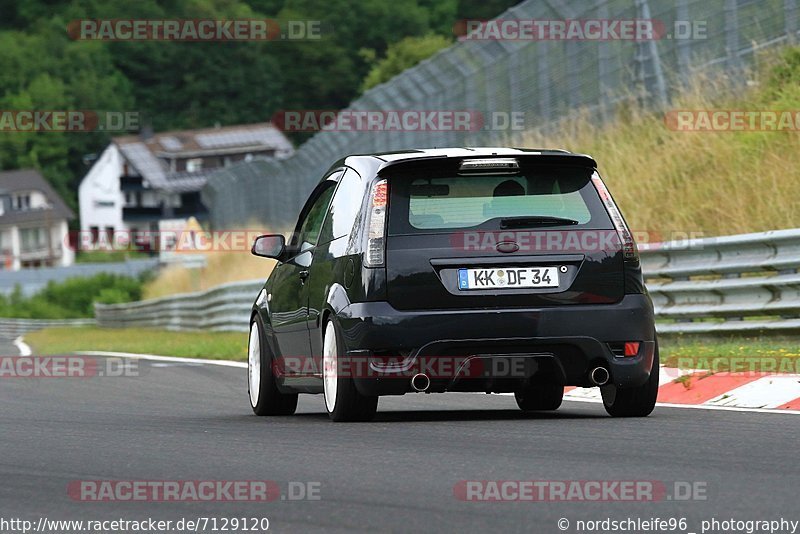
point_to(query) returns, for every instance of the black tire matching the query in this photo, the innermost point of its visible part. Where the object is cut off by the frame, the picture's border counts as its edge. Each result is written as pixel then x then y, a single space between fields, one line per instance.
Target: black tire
pixel 540 397
pixel 270 401
pixel 349 404
pixel 633 402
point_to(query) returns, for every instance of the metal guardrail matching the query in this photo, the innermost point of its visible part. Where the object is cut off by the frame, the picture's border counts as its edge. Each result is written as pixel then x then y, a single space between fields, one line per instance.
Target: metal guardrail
pixel 13 328
pixel 745 283
pixel 225 307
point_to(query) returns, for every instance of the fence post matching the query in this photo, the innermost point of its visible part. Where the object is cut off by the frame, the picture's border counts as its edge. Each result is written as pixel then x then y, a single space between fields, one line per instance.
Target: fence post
pixel 684 46
pixel 790 10
pixel 604 82
pixel 648 52
pixel 543 79
pixel 732 33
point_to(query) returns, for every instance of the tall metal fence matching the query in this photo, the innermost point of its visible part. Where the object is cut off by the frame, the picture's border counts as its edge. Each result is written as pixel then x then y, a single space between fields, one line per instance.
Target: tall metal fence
pixel 543 80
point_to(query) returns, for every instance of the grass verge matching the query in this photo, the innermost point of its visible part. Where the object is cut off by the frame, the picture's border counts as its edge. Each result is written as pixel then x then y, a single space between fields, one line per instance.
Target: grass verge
pixel 221 268
pixel 207 345
pixel 671 182
pixel 735 354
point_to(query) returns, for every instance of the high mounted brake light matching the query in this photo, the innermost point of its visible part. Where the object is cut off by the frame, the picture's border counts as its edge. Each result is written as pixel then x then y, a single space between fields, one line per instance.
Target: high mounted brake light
pixel 489 165
pixel 629 251
pixel 376 225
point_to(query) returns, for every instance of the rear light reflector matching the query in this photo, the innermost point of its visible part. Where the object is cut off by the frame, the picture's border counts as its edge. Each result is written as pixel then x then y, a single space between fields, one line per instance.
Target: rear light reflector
pixel 376 225
pixel 629 251
pixel 631 348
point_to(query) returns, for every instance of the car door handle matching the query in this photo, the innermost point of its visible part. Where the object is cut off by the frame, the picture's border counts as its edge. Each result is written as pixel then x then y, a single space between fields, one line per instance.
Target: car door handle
pixel 303 275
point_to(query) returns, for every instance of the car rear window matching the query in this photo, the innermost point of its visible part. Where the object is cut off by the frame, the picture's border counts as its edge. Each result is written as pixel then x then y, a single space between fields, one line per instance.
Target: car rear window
pixel 441 203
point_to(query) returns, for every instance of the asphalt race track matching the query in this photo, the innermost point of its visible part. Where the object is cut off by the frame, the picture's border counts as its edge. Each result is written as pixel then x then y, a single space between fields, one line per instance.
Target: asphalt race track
pixel 178 421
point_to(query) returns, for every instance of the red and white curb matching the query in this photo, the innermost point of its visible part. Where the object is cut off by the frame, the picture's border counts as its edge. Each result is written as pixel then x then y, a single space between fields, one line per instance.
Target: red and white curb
pixel 691 388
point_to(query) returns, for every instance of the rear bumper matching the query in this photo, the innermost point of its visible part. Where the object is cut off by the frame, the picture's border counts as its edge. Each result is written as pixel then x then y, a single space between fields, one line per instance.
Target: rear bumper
pixel 503 349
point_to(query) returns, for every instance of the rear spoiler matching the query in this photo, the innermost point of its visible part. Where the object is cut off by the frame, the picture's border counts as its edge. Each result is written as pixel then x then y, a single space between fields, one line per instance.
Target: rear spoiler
pixel 453 163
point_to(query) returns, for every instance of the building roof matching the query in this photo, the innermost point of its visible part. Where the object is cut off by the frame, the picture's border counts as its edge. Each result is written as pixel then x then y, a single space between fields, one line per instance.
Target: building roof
pixel 31 180
pixel 149 155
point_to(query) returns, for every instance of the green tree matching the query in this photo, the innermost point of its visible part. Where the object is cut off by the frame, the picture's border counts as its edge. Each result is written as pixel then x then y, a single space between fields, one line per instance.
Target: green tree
pixel 402 55
pixel 187 85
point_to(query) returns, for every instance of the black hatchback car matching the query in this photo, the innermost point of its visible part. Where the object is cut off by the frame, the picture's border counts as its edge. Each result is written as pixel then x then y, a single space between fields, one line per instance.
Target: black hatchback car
pixel 491 270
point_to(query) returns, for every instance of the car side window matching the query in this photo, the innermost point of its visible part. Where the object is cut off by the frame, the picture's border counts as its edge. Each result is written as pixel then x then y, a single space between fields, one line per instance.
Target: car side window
pixel 344 208
pixel 312 224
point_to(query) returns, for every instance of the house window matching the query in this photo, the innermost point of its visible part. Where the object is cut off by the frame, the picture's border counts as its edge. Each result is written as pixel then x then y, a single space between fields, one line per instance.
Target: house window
pixel 22 202
pixel 194 164
pixel 130 198
pixel 148 200
pixel 95 232
pixel 32 239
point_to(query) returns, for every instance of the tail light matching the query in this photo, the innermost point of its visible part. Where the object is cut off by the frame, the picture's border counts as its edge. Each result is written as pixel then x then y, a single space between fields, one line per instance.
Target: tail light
pixel 629 251
pixel 375 252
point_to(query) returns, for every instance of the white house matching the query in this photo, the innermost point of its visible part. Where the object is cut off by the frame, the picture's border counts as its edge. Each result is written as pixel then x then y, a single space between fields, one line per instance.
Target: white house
pixel 142 180
pixel 33 222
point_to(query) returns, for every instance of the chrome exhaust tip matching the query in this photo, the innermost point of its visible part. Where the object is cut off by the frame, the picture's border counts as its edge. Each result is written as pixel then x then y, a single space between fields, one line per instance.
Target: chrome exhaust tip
pixel 599 376
pixel 420 382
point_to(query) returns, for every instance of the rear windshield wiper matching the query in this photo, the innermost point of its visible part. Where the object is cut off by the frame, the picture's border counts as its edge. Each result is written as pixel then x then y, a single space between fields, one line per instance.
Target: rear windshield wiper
pixel 541 220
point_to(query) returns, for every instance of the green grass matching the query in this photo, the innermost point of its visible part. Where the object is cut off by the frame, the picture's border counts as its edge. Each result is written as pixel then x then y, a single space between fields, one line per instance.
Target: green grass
pixel 735 354
pixel 208 345
pixel 670 183
pixel 101 256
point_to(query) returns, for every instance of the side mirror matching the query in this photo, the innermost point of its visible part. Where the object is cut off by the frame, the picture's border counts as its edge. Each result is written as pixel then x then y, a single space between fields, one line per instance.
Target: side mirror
pixel 268 246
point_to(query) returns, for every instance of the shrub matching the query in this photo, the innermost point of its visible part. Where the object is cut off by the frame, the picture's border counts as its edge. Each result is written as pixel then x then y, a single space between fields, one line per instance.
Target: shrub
pixel 71 298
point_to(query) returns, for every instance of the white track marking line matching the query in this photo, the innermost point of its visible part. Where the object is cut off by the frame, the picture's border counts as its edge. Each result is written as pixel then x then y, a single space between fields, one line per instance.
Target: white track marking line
pixel 584 393
pixel 154 357
pixel 704 407
pixel 23 348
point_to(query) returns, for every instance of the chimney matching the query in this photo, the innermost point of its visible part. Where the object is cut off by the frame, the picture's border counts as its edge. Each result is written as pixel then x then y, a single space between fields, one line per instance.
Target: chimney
pixel 146 132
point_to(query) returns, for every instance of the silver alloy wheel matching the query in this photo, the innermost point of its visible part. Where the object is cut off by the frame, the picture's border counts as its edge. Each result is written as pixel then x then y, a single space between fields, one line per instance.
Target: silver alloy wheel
pixel 254 364
pixel 329 367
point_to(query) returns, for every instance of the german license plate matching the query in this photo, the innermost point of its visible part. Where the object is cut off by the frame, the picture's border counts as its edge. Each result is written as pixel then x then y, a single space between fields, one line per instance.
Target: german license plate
pixel 508 278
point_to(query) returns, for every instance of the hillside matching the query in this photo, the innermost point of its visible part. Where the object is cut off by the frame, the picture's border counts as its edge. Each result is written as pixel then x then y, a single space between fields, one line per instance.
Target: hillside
pixel 708 182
